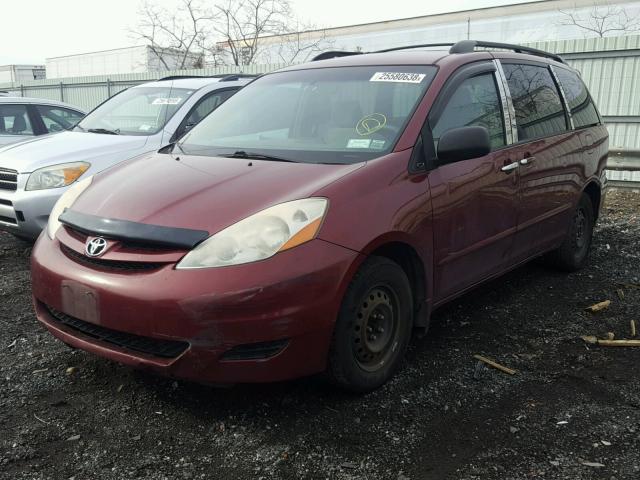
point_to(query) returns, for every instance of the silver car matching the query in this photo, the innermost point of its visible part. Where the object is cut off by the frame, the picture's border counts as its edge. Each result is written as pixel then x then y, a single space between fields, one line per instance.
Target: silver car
pixel 141 119
pixel 22 118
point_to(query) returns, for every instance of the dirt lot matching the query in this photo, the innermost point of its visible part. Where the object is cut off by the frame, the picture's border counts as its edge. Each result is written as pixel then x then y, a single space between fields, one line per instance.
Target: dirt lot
pixel 441 418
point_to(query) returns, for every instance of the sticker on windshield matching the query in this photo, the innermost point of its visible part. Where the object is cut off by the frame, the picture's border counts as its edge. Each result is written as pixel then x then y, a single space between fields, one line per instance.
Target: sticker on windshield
pixel 144 128
pixel 371 124
pixel 167 101
pixel 377 144
pixel 398 77
pixel 359 143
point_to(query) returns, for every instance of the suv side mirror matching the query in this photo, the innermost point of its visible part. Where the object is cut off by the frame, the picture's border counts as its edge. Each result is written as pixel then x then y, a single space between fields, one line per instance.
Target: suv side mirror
pixel 463 143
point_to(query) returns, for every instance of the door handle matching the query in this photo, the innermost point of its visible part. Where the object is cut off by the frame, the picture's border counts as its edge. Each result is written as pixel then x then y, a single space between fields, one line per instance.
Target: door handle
pixel 510 167
pixel 527 161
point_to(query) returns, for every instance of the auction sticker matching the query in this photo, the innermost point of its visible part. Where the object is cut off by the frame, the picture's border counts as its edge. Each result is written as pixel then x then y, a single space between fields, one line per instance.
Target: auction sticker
pixel 166 101
pixel 359 143
pixel 398 77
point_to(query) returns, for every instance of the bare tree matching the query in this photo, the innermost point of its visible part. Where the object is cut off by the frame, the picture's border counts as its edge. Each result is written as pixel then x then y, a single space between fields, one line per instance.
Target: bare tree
pixel 243 23
pixel 302 42
pixel 603 20
pixel 176 38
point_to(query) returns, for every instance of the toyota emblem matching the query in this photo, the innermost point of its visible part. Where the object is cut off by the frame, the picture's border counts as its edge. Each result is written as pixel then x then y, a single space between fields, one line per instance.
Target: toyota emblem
pixel 95 247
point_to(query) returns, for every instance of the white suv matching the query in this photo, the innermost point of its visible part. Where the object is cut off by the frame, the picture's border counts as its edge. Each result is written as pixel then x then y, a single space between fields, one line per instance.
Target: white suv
pixel 141 119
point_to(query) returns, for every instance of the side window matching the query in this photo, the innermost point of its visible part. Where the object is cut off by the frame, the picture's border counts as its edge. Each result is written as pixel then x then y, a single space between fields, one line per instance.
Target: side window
pixel 475 103
pixel 582 108
pixel 56 119
pixel 205 106
pixel 539 110
pixel 14 120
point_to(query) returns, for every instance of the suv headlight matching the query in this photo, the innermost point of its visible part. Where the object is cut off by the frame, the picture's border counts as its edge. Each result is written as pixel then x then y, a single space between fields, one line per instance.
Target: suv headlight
pixel 56 176
pixel 260 236
pixel 67 199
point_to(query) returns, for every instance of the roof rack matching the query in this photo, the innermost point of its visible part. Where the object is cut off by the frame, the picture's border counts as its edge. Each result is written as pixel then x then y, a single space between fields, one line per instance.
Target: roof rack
pixel 224 77
pixel 463 46
pixel 468 46
pixel 333 54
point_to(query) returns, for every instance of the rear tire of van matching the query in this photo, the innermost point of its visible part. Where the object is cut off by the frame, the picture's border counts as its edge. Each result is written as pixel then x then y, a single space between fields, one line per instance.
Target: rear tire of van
pixel 373 327
pixel 574 251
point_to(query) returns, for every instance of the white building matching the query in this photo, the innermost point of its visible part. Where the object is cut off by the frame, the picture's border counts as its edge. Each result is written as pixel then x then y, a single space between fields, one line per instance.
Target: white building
pixel 20 73
pixel 518 23
pixel 137 59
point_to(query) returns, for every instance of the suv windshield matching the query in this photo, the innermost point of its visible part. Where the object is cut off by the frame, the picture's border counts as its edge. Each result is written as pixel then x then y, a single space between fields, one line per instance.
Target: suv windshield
pixel 137 111
pixel 327 115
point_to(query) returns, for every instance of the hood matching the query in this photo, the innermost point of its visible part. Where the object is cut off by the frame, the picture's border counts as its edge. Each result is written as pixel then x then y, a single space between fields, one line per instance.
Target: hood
pixel 202 193
pixel 65 147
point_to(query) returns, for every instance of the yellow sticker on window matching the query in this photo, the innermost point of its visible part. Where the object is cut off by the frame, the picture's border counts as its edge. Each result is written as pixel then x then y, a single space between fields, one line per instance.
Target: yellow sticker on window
pixel 371 124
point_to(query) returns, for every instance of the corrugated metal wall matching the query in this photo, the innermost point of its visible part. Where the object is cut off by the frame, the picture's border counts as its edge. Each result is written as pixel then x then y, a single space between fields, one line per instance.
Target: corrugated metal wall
pixel 87 92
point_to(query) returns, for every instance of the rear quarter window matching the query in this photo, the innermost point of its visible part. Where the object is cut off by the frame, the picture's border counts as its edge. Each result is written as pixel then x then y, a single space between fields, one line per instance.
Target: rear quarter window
pixel 582 108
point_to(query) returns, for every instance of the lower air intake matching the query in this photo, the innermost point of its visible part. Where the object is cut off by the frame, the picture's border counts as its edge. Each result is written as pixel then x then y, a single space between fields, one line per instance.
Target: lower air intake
pixel 138 343
pixel 255 351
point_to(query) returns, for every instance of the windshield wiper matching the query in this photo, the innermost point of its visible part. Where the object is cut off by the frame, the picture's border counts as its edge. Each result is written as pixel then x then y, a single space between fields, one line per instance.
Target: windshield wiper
pixel 256 156
pixel 105 131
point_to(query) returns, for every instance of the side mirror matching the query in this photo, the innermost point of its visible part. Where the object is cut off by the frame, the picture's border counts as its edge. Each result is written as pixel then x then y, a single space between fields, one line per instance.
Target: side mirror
pixel 463 143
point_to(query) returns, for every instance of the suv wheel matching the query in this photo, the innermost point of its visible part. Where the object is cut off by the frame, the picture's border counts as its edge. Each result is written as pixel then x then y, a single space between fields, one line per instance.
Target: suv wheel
pixel 373 328
pixel 572 254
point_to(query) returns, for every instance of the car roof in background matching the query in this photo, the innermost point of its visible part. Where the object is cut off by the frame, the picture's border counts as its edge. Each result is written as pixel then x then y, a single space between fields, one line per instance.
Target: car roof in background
pixel 37 101
pixel 231 80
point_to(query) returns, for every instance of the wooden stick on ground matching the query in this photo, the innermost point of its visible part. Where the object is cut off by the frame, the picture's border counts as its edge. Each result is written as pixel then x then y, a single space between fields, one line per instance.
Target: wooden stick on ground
pixel 611 343
pixel 493 364
pixel 633 328
pixel 599 306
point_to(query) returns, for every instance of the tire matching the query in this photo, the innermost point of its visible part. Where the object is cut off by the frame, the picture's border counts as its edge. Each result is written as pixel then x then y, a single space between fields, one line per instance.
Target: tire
pixel 373 327
pixel 574 251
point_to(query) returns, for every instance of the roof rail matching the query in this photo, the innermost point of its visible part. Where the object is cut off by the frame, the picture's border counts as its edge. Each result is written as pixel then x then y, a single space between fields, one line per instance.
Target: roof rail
pixel 224 77
pixel 333 54
pixel 424 45
pixel 468 46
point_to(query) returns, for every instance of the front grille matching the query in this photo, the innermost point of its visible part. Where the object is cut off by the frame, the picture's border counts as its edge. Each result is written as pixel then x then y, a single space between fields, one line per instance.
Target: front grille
pixel 138 343
pixel 109 264
pixel 10 220
pixel 255 351
pixel 8 179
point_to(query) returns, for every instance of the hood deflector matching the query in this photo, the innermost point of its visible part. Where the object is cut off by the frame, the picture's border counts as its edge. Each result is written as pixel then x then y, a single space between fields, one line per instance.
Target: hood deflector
pixel 125 230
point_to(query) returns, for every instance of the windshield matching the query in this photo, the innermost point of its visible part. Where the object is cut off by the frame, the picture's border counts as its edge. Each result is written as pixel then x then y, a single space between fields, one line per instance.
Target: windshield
pixel 328 115
pixel 137 111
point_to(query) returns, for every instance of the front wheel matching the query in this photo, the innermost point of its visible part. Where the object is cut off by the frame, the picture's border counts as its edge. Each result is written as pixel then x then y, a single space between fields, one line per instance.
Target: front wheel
pixel 373 328
pixel 572 254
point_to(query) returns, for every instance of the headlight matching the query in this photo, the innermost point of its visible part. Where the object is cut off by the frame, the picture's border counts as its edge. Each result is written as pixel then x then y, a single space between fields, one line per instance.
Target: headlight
pixel 260 236
pixel 55 176
pixel 67 199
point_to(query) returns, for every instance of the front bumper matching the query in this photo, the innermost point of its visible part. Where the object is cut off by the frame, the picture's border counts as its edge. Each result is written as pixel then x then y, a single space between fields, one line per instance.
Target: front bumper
pixel 25 213
pixel 291 298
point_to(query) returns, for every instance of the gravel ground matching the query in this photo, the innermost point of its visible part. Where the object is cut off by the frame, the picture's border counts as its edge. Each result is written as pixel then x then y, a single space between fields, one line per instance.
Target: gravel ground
pixel 570 412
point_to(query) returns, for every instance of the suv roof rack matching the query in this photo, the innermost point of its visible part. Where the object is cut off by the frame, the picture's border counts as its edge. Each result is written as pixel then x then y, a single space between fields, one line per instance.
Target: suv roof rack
pixel 468 46
pixel 463 46
pixel 224 77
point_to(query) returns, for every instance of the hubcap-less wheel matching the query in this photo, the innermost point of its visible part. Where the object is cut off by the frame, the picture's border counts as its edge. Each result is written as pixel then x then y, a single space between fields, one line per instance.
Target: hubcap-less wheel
pixel 376 328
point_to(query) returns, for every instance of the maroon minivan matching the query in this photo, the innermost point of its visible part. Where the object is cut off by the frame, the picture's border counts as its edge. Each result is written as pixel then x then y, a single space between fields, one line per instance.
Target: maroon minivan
pixel 316 218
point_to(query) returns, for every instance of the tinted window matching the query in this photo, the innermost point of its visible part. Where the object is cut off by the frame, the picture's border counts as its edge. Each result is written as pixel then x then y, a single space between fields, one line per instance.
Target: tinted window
pixel 323 115
pixel 582 108
pixel 474 103
pixel 539 110
pixel 56 119
pixel 14 120
pixel 207 105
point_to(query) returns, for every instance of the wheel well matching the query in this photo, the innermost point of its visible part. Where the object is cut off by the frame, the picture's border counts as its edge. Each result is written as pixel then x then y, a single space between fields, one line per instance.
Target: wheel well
pixel 593 192
pixel 408 259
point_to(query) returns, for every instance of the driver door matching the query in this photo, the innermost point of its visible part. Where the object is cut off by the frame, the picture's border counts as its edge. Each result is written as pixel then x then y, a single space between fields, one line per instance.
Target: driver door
pixel 475 201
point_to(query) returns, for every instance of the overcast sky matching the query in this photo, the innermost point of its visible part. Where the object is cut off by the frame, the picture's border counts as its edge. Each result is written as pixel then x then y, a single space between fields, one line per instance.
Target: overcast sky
pixel 33 30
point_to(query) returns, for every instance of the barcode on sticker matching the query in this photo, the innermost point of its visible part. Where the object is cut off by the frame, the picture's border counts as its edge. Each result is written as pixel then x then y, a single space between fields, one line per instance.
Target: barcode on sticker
pixel 397 77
